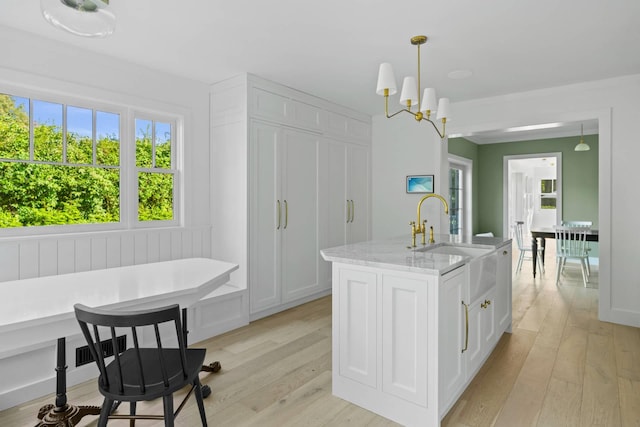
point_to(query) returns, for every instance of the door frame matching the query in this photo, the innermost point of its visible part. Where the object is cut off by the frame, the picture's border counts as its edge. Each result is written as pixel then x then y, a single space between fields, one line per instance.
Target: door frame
pixel 505 185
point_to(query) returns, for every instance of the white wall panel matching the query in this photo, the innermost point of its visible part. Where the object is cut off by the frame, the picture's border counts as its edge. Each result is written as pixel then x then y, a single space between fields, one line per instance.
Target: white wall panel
pixel 10 256
pixel 83 254
pixel 127 250
pixel 98 253
pixel 28 260
pixel 48 255
pixel 51 255
pixel 140 249
pixel 113 252
pixel 66 256
pixel 153 242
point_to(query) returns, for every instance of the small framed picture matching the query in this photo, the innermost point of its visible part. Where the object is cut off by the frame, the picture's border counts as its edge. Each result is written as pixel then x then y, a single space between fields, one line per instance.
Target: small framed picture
pixel 419 183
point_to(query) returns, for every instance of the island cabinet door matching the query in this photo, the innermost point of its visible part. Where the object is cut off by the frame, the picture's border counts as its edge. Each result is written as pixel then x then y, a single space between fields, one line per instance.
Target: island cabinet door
pixel 357 340
pixel 406 328
pixel 453 340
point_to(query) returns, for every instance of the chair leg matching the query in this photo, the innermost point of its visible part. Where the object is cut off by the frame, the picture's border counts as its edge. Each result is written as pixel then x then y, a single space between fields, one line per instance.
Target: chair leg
pixel 105 411
pixel 520 259
pixel 540 263
pixel 588 267
pixel 583 267
pixel 558 268
pixel 132 412
pixel 168 410
pixel 198 390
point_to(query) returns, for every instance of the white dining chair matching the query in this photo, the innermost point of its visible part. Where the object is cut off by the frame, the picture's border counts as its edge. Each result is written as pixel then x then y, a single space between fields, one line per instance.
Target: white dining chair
pixel 526 251
pixel 587 248
pixel 570 244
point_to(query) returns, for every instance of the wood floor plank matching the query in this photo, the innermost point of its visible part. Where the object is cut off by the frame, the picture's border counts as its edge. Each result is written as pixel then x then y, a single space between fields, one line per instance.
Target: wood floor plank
pixel 525 400
pixel 627 344
pixel 600 398
pixel 561 406
pixel 629 391
pixel 571 357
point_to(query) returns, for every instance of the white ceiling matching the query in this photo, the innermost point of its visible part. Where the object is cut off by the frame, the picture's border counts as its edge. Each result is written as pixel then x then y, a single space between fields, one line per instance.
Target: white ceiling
pixel 332 48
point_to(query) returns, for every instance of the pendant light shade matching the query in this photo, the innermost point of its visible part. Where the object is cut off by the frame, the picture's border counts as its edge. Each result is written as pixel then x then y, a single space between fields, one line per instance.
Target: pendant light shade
pixel 429 103
pixel 409 94
pixel 86 18
pixel 443 109
pixel 386 79
pixel 582 146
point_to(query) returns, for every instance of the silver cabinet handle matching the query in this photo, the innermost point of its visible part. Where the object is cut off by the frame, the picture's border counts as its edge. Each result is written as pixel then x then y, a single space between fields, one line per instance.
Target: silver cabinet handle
pixel 279 215
pixel 286 214
pixel 466 327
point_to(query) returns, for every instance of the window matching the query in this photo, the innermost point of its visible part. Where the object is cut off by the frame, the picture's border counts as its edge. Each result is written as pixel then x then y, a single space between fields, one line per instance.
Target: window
pixel 548 194
pixel 155 169
pixel 456 198
pixel 65 164
pixel 460 187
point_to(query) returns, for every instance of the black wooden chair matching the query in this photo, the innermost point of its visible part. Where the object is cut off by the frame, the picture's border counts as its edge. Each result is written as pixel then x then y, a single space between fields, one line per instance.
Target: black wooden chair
pixel 141 373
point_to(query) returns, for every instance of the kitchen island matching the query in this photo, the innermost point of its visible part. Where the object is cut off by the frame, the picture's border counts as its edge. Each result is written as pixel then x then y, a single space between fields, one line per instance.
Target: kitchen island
pixel 412 326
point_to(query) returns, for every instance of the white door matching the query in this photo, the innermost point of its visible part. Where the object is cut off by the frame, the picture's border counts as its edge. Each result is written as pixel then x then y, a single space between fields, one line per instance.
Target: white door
pixel 358 193
pixel 339 209
pixel 299 215
pixel 266 218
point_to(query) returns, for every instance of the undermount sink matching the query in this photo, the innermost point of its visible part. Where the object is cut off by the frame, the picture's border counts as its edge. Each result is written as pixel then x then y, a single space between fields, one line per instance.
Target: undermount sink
pixel 448 249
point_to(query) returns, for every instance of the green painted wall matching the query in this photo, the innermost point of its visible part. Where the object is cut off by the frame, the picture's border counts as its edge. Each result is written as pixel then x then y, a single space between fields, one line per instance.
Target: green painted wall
pixel 579 177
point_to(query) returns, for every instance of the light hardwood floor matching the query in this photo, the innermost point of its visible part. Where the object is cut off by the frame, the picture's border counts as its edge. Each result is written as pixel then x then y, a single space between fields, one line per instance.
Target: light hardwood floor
pixel 560 367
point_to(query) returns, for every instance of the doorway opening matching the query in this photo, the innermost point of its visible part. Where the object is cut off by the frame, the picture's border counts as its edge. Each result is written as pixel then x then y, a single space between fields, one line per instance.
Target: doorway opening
pixel 534 191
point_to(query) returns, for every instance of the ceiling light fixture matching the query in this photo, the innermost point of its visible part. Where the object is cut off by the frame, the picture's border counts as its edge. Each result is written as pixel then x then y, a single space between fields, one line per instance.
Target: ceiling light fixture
pixel 582 146
pixel 410 95
pixel 86 18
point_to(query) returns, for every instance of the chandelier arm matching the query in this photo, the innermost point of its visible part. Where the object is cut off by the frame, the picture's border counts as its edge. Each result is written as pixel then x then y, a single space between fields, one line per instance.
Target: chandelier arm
pixel 401 111
pixel 441 135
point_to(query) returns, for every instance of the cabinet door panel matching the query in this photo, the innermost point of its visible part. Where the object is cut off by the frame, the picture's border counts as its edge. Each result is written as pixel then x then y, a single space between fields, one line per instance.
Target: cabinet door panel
pixel 453 320
pixel 338 211
pixel 357 334
pixel 404 340
pixel 503 290
pixel 489 322
pixel 358 175
pixel 300 215
pixel 265 289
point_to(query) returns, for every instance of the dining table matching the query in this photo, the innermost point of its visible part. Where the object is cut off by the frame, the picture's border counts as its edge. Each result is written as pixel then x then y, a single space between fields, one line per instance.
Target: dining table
pixel 542 233
pixel 38 310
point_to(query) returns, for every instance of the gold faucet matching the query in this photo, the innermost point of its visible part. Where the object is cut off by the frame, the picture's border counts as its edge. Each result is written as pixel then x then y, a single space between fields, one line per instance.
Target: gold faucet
pixel 418 227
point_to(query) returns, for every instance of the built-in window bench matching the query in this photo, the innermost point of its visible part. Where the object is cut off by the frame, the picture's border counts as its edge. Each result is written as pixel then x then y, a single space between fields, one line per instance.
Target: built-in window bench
pixel 36 312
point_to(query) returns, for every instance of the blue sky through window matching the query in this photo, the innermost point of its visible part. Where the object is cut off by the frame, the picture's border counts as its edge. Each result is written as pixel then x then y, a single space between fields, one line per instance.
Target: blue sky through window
pixel 78 119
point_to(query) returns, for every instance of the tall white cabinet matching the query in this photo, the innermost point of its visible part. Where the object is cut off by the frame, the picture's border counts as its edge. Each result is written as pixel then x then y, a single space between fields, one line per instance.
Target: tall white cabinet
pixel 303 185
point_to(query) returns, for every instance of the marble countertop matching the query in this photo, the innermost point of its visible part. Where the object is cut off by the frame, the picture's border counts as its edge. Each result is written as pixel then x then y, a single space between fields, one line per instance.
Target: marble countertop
pixel 395 254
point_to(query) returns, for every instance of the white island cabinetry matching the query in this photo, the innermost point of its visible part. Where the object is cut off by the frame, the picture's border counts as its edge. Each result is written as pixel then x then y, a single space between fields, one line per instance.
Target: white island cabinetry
pixel 407 339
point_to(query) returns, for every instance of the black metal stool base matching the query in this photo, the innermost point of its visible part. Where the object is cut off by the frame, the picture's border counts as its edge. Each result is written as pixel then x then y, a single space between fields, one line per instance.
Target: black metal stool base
pixel 68 415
